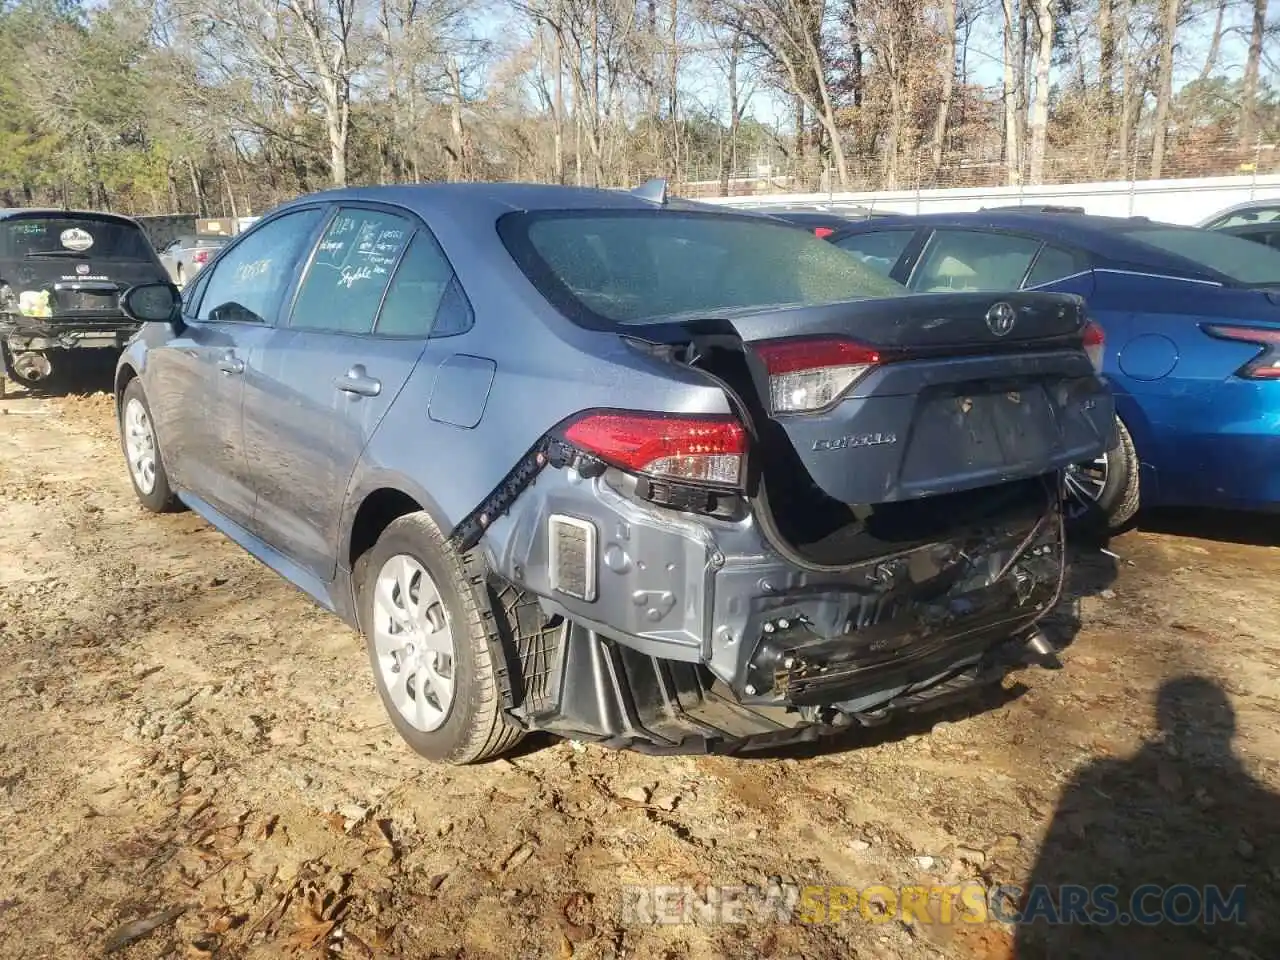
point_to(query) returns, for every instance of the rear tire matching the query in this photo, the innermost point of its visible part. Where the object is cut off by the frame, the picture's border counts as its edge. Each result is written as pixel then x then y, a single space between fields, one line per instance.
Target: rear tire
pixel 1116 502
pixel 412 589
pixel 142 452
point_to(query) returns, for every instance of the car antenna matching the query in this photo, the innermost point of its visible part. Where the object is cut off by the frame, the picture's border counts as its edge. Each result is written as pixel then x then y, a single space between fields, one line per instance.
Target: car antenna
pixel 654 190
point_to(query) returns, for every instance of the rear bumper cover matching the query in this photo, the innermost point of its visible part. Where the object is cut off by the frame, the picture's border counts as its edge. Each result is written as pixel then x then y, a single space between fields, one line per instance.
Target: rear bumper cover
pixel 706 608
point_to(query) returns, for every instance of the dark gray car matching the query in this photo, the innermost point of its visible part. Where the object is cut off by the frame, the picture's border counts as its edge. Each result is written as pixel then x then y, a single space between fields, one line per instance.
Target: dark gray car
pixel 615 467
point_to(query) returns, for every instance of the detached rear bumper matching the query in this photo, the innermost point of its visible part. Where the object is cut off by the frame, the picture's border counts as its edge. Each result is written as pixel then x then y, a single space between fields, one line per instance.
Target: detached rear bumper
pixel 694 629
pixel 65 333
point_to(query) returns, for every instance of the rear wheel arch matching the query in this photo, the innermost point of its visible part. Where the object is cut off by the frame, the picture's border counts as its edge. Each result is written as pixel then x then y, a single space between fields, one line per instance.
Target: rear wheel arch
pixel 377 510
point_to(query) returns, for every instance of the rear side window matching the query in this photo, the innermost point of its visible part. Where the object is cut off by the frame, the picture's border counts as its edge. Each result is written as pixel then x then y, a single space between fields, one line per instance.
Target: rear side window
pixel 1242 260
pixel 1054 264
pixel 350 271
pixel 248 282
pixel 424 297
pixel 85 237
pixel 610 267
pixel 970 260
pixel 879 251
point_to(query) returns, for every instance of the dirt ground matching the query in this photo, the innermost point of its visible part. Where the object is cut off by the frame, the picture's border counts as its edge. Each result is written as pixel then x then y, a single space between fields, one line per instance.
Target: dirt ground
pixel 193 763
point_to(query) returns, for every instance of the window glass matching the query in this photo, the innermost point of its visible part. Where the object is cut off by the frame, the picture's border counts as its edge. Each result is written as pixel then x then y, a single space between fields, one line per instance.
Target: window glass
pixel 1242 217
pixel 417 290
pixel 87 238
pixel 635 267
pixel 880 250
pixel 972 260
pixel 1241 260
pixel 350 271
pixel 246 285
pixel 1054 263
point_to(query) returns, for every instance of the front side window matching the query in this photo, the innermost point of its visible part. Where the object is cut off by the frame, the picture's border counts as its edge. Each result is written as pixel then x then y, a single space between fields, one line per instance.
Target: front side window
pixel 1245 262
pixel 247 284
pixel 349 273
pixel 879 250
pixel 624 267
pixel 971 260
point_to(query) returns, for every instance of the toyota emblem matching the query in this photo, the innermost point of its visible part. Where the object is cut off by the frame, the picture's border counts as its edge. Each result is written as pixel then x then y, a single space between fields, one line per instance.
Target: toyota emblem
pixel 82 268
pixel 1000 319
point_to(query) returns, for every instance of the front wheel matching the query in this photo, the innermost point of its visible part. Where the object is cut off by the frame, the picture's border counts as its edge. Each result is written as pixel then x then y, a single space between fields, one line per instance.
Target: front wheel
pixel 142 452
pixel 430 629
pixel 1105 490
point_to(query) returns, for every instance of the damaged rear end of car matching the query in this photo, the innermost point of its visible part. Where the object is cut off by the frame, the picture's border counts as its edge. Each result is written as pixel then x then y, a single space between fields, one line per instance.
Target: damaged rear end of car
pixel 62 274
pixel 875 526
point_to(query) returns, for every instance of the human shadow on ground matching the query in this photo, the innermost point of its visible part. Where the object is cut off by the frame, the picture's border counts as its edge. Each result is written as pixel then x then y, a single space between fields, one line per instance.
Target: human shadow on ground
pixel 1162 837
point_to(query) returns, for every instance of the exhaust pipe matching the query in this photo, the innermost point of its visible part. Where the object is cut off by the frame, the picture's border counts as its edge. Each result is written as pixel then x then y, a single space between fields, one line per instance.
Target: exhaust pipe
pixel 1041 650
pixel 32 365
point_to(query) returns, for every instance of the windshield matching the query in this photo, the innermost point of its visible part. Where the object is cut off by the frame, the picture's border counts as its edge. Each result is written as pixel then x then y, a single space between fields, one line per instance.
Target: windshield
pixel 73 237
pixel 634 267
pixel 1243 261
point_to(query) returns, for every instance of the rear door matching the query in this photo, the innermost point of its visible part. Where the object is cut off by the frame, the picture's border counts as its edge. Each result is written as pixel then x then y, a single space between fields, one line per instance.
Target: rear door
pixel 358 324
pixel 197 378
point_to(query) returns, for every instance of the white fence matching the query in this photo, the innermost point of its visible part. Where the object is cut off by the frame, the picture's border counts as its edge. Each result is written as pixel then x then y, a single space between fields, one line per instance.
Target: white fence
pixel 1172 201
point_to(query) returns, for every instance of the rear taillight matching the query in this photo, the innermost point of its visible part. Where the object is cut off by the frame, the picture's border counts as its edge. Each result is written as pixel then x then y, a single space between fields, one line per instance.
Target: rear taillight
pixel 200 256
pixel 696 449
pixel 806 375
pixel 1266 365
pixel 822 232
pixel 1094 342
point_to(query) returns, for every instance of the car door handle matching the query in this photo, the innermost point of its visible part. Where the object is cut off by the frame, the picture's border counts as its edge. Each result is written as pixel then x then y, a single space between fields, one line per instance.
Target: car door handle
pixel 358 382
pixel 230 365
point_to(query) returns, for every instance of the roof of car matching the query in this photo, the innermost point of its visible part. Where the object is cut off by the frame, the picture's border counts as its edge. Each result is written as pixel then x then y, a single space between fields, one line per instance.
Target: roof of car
pixel 498 198
pixel 1106 237
pixel 9 212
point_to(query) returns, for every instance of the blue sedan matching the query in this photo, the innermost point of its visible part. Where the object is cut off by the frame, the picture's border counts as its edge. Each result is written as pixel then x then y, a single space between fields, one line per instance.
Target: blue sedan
pixel 1191 349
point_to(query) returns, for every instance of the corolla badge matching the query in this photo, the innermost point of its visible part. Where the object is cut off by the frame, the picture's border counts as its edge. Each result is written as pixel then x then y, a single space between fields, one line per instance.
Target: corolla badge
pixel 854 441
pixel 1001 318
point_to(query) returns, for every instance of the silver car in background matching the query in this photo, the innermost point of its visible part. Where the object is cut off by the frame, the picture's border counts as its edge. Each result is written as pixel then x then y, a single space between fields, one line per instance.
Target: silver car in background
pixel 186 255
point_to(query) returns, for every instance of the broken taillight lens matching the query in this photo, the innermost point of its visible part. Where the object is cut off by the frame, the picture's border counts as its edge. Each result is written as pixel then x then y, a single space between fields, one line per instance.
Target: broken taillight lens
pixel 696 449
pixel 1094 344
pixel 810 374
pixel 1266 365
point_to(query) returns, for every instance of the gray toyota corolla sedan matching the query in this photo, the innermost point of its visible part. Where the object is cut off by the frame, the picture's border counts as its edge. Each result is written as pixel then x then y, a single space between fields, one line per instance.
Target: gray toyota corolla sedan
pixel 617 467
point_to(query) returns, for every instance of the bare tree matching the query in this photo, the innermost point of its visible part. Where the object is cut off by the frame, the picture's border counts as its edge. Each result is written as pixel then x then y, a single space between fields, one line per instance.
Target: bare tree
pixel 1249 95
pixel 948 80
pixel 1040 108
pixel 1013 73
pixel 1164 89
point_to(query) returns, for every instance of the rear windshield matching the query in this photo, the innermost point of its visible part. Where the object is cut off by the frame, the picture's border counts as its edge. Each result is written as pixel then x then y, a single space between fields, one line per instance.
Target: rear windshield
pixel 72 236
pixel 635 266
pixel 1243 261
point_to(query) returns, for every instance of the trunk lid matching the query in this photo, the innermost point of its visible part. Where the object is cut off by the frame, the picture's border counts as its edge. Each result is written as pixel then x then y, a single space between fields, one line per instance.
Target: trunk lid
pixel 945 392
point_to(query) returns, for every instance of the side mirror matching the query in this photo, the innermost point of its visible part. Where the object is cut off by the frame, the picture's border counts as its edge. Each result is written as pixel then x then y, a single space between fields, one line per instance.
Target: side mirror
pixel 151 303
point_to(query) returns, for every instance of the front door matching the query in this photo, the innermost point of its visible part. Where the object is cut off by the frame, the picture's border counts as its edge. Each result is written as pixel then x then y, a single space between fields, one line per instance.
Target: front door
pixel 198 377
pixel 330 372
